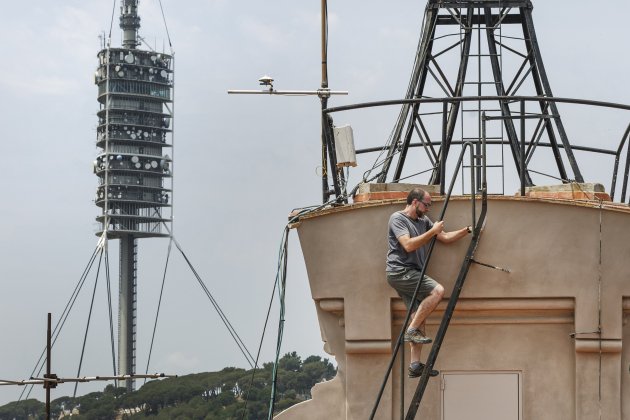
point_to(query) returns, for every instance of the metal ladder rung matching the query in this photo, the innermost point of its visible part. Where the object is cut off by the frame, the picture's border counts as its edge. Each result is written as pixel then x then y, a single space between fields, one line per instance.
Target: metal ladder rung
pixel 480 110
pixel 479 166
pixel 482 83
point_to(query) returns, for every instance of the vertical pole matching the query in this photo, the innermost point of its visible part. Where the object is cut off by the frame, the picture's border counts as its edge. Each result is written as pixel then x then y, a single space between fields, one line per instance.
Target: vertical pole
pixel 443 148
pixel 324 12
pixel 473 179
pixel 522 169
pixel 127 310
pixel 479 85
pixel 483 150
pixel 47 384
pixel 402 381
pixel 324 100
pixel 625 177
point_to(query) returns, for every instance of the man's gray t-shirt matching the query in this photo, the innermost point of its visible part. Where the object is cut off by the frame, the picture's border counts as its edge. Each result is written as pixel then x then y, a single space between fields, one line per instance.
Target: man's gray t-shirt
pixel 397 257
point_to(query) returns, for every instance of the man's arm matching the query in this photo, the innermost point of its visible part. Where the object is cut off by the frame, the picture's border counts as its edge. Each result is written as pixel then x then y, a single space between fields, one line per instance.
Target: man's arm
pixel 411 244
pixel 448 237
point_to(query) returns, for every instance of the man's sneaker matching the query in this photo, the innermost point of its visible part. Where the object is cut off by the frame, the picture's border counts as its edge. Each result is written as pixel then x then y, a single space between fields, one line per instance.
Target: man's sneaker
pixel 416 336
pixel 415 370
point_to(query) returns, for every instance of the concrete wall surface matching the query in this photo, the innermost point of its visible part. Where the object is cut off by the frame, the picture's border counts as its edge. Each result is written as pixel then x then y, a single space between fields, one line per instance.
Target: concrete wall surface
pixel 555 324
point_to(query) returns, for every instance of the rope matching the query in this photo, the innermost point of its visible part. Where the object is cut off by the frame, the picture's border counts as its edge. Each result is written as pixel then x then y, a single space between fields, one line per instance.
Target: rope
pixel 87 326
pixel 168 254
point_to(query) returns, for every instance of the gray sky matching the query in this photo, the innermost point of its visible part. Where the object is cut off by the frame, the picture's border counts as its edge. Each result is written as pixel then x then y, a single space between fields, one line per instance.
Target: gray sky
pixel 241 163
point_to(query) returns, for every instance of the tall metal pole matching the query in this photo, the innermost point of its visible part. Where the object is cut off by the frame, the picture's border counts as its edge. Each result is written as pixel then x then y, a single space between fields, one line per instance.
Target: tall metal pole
pixel 129 23
pixel 127 309
pixel 522 169
pixel 324 100
pixel 47 385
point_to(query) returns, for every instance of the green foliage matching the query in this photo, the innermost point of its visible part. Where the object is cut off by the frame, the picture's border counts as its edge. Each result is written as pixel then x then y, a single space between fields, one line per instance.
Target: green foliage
pixel 226 394
pixel 27 409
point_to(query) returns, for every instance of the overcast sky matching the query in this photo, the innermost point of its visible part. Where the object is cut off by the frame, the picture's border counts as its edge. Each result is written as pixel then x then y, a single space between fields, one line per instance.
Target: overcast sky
pixel 241 163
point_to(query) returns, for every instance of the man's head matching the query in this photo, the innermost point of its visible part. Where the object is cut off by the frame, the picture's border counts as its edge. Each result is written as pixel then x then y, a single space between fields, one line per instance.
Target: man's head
pixel 419 200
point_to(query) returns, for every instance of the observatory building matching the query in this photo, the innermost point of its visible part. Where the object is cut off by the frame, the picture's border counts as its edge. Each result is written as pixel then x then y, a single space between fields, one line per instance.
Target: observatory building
pixel 135 91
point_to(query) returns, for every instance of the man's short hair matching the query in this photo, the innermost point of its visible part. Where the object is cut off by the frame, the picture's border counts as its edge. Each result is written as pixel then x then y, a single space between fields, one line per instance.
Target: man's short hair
pixel 416 193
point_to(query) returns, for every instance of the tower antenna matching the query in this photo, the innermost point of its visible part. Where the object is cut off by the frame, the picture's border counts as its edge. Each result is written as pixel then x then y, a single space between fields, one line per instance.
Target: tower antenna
pixel 135 93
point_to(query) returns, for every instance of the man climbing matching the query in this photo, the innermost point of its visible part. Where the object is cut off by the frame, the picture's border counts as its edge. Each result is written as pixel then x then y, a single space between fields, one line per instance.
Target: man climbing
pixel 409 231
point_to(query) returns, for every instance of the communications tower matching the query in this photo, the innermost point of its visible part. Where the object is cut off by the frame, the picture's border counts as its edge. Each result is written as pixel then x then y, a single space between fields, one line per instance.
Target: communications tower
pixel 135 95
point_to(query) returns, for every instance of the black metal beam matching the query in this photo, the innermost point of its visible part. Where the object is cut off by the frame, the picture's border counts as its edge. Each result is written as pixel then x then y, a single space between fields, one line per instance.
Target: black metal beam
pixel 406 101
pixel 541 74
pixel 509 19
pixel 492 142
pixel 415 89
pixel 438 4
pixel 454 110
pixel 504 105
pixel 327 132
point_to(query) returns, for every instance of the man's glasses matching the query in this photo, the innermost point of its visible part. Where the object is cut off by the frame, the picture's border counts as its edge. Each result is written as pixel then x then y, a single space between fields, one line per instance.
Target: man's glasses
pixel 427 205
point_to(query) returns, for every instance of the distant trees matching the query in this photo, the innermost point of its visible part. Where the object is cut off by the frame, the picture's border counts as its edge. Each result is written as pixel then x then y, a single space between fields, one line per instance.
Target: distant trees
pixel 227 394
pixel 27 409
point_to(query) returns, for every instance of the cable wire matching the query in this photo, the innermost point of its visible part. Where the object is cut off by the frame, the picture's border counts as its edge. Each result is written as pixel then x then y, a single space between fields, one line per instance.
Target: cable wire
pixel 281 278
pixel 166 27
pixel 62 319
pixel 157 314
pixel 87 326
pixel 111 25
pixel 224 319
pixel 262 338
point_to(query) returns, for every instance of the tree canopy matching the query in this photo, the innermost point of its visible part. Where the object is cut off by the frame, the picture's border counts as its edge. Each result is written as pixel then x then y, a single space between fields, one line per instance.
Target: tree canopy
pixel 231 393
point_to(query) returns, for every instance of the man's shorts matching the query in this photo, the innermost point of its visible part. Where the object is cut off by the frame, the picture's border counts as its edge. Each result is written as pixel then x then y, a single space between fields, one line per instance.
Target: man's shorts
pixel 405 282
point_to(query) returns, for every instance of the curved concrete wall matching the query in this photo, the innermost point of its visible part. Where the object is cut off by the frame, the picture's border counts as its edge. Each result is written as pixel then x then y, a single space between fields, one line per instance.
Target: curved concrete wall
pixel 569 268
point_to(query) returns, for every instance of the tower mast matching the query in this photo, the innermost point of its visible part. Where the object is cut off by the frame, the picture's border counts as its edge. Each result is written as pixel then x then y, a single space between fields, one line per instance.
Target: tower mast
pixel 135 91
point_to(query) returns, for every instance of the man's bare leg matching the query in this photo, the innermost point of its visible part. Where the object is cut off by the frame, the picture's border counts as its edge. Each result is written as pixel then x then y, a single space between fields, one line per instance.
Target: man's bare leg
pixel 427 306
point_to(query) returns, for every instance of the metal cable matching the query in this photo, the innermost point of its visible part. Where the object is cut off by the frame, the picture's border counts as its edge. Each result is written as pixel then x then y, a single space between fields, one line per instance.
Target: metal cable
pixel 226 322
pixel 87 326
pixel 281 278
pixel 111 25
pixel 168 254
pixel 166 27
pixel 62 319
pixel 251 384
